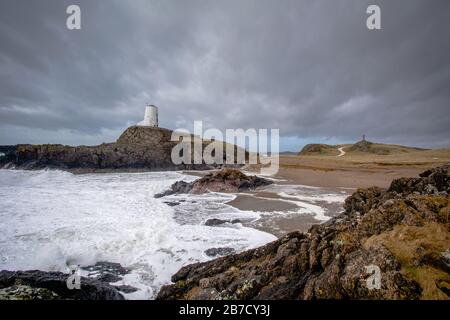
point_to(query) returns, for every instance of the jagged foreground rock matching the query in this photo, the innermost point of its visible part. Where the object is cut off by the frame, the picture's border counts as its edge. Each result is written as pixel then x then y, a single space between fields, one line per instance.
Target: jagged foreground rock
pixel 41 285
pixel 403 230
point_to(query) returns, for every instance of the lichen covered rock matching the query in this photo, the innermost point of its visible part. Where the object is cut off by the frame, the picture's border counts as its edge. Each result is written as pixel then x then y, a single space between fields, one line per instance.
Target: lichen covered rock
pixel 23 292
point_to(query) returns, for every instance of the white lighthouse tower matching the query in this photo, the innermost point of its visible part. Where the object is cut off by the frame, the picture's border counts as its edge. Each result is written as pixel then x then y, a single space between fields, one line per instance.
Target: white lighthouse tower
pixel 150 117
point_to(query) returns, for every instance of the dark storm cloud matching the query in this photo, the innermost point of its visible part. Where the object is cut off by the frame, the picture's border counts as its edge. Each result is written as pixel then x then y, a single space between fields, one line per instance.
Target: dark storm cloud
pixel 310 68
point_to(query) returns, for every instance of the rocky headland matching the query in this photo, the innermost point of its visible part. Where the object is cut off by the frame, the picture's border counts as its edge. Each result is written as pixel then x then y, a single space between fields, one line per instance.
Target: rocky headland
pixel 403 231
pixel 137 149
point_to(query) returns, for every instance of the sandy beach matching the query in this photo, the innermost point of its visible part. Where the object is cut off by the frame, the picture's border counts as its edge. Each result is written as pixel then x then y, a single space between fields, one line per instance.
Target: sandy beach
pixel 340 175
pixel 337 173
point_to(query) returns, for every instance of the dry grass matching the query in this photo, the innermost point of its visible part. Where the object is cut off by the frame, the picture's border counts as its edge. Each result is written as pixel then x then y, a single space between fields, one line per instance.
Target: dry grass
pixel 411 158
pixel 418 249
pixel 355 170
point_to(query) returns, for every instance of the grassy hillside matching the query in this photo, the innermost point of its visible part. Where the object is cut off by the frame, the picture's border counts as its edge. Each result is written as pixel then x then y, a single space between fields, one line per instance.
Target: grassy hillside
pixel 318 149
pixel 379 148
pixel 362 147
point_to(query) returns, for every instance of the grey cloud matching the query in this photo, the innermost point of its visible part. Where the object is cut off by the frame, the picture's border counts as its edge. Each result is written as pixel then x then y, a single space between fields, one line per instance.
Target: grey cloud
pixel 310 68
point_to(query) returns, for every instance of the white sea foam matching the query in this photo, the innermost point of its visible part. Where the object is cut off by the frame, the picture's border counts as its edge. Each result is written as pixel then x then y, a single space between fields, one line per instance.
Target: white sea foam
pixel 49 219
pixel 309 193
pixel 324 197
pixel 308 200
pixel 302 207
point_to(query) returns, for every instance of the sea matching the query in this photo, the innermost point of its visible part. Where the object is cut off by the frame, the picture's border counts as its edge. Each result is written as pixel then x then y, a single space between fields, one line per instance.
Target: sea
pixel 52 219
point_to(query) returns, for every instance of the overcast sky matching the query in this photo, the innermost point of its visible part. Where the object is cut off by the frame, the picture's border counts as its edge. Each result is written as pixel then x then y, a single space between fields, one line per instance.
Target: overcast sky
pixel 310 68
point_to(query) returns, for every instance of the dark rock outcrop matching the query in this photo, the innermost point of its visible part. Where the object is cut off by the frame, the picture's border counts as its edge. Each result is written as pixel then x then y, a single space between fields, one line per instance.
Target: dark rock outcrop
pixel 106 271
pixel 434 181
pixel 224 180
pixel 176 188
pixel 216 222
pixel 213 252
pixel 42 285
pixel 7 155
pixel 37 284
pixel 403 231
pixel 137 149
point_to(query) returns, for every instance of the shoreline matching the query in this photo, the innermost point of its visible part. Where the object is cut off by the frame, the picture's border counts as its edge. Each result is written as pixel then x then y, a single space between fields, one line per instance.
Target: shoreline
pixel 281 215
pixel 355 172
pixel 269 199
pixel 324 173
pixel 321 173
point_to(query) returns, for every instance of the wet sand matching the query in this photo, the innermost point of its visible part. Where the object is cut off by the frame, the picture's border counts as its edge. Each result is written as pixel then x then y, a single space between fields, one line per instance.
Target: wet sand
pixel 336 174
pixel 252 203
pixel 280 214
pixel 281 225
pixel 358 171
pixel 351 178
